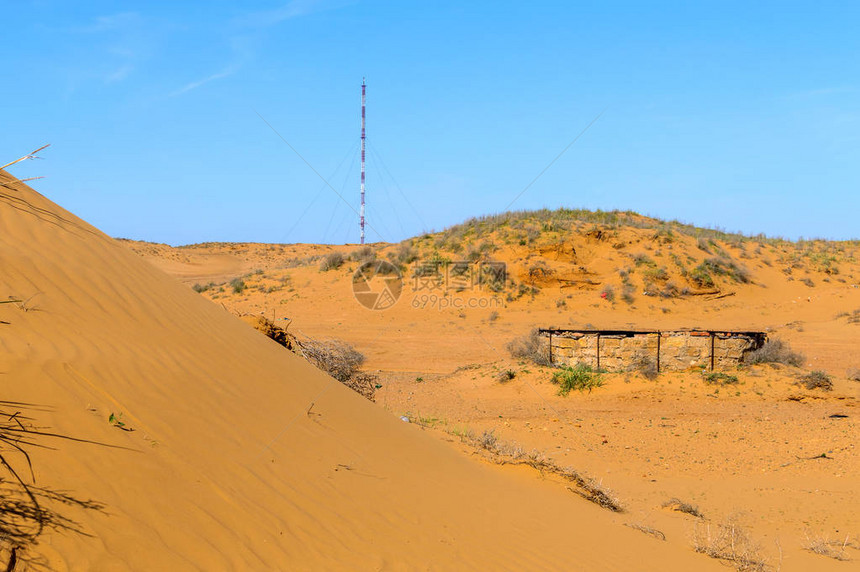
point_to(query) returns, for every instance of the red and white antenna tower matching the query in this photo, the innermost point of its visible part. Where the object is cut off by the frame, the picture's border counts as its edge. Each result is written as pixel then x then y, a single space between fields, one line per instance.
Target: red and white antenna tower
pixel 363 98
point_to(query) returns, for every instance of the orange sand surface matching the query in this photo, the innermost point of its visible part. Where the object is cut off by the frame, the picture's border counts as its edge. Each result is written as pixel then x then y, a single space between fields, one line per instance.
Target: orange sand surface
pixel 777 459
pixel 223 468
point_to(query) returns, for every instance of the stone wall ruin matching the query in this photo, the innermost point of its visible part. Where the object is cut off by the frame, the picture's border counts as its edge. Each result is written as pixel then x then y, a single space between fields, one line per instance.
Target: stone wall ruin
pixel 678 350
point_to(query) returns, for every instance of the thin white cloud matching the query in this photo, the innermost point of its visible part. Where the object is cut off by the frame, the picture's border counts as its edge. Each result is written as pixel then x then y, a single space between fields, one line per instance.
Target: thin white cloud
pixel 822 92
pixel 110 22
pixel 120 73
pixel 290 10
pixel 226 72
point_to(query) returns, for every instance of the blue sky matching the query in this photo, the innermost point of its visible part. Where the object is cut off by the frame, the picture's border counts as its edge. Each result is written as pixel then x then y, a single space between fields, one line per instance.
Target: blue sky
pixel 740 115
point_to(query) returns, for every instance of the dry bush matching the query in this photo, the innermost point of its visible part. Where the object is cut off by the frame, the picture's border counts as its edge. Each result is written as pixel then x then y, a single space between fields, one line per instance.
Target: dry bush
pixel 272 331
pixel 363 254
pixel 362 383
pixel 678 505
pixel 332 261
pixel 730 543
pixel 775 351
pixel 335 357
pixel 853 374
pixel 406 254
pixel 341 361
pixel 530 347
pixel 825 547
pixel 816 379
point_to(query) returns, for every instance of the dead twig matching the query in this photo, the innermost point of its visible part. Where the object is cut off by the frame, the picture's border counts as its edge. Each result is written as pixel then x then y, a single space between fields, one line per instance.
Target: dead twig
pixel 32 155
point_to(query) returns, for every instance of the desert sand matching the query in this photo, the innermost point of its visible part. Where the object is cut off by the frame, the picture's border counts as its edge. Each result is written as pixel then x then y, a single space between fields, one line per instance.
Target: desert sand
pixel 775 459
pixel 220 465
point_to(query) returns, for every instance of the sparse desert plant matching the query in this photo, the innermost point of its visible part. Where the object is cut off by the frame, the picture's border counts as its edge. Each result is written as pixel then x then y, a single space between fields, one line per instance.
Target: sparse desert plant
pixel 331 261
pixel 580 377
pixel 539 271
pixel 363 254
pixel 505 453
pixel 493 316
pixel 701 277
pixel 825 547
pixel 506 375
pixel 719 378
pixel 649 530
pixel 627 293
pixel 775 351
pixel 853 374
pixel 238 285
pixel 678 505
pixel 644 260
pixel 530 347
pixel 816 379
pixel 724 266
pixel 670 290
pixel 656 274
pixel 730 543
pixel 608 292
pixel 808 282
pixel 406 254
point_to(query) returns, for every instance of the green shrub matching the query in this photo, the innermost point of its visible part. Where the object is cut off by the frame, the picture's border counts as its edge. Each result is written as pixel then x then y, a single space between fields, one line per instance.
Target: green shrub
pixel 506 375
pixel 656 274
pixel 701 277
pixel 238 285
pixel 721 378
pixel 580 376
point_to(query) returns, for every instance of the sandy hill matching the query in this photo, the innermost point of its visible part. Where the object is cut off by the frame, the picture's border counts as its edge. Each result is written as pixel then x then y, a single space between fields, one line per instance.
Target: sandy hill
pixel 222 464
pixel 759 450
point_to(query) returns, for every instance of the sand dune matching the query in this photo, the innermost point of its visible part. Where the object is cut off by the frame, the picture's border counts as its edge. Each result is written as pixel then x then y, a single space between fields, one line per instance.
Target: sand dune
pixel 224 468
pixel 750 451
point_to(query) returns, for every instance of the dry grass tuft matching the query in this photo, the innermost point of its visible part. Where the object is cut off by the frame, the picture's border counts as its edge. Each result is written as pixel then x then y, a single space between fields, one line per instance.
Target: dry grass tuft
pixel 829 548
pixel 530 347
pixel 647 530
pixel 503 453
pixel 730 543
pixel 332 261
pixel 678 505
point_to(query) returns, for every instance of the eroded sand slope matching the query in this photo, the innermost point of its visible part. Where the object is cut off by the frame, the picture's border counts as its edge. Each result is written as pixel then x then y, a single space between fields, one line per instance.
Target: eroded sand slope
pixel 347 486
